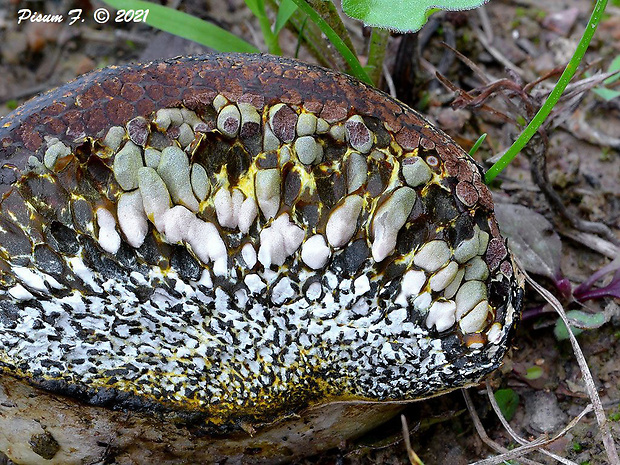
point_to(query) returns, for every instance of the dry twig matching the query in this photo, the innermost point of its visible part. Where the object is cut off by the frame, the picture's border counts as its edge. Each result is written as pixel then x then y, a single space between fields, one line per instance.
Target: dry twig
pixel 495 53
pixel 536 151
pixel 485 437
pixel 594 242
pixel 608 441
pixel 518 438
pixel 389 81
pixel 534 445
pixel 413 457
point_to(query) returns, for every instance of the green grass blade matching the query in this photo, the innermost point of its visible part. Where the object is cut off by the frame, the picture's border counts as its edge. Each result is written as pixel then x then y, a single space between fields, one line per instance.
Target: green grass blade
pixel 187 26
pixel 477 144
pixel 357 69
pixel 553 98
pixel 253 6
pixel 271 39
pixel 300 37
pixel 328 11
pixel 286 10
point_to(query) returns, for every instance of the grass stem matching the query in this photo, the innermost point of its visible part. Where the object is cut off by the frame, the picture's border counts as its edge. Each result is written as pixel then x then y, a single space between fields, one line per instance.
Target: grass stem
pixel 553 98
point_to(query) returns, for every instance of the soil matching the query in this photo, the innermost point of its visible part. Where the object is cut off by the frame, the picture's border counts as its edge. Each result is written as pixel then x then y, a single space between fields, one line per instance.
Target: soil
pixel 525 40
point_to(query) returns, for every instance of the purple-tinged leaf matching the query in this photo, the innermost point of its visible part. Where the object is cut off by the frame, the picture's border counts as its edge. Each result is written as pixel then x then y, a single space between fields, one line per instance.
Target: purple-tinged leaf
pixel 584 291
pixel 610 290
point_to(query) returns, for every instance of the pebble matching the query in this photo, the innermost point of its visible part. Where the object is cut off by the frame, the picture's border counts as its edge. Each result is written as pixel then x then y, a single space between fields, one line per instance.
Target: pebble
pixel 440 280
pixel 358 135
pixel 322 126
pixel 543 412
pixel 250 120
pixel 475 319
pixel 186 135
pixel 270 141
pixel 108 238
pixel 114 137
pixel 138 130
pixel 200 182
pixel 190 117
pixel 468 296
pixel 410 285
pixel 219 101
pixel 306 124
pixel 152 157
pixel 206 242
pixel 247 214
pixel 468 249
pixel 442 315
pixel 283 121
pixel 452 288
pixel 314 291
pixel 357 171
pixel 279 241
pixel 476 269
pixel 155 196
pixel 54 152
pixel 229 121
pixel 308 150
pixel 249 255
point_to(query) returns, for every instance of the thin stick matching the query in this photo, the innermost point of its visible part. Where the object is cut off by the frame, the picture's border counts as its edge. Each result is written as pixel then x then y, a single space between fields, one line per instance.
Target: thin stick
pixel 413 457
pixel 483 434
pixel 389 81
pixel 535 445
pixel 608 441
pixel 495 53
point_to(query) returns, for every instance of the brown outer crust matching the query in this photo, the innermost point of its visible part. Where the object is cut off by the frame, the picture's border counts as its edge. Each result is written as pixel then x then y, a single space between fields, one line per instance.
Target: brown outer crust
pixel 91 104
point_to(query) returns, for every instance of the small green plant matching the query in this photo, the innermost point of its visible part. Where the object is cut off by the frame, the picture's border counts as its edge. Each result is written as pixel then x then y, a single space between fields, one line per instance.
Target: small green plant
pixel 187 26
pixel 604 91
pixel 583 319
pixel 555 95
pixel 508 401
pixel 533 372
pixel 615 416
pixel 477 144
pixel 407 17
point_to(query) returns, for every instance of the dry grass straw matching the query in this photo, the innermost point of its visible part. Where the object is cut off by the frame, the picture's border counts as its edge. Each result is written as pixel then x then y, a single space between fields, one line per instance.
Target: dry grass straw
pixel 538 444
